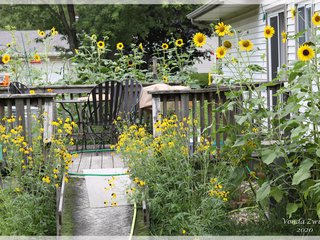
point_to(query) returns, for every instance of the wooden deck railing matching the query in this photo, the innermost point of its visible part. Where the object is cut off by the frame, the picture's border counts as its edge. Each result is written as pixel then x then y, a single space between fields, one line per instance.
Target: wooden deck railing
pixel 203 105
pixel 24 106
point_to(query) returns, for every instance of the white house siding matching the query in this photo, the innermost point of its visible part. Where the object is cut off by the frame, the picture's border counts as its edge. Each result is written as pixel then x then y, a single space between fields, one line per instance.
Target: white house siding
pixel 206 65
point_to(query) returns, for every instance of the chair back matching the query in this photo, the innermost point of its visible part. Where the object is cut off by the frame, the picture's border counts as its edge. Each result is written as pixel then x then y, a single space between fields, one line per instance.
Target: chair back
pixel 103 104
pixel 131 96
pixel 17 88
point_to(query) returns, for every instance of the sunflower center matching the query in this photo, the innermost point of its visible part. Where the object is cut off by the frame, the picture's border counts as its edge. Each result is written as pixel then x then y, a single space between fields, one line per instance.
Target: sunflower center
pixel 317 18
pixel 221 29
pixel 306 52
pixel 179 42
pixel 200 39
pixel 268 31
pixel 221 52
pixel 245 43
pixel 227 44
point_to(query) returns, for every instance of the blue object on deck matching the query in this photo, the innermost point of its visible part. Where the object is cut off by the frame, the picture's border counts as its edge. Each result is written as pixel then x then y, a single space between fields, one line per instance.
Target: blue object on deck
pixel 215 143
pixel 1 156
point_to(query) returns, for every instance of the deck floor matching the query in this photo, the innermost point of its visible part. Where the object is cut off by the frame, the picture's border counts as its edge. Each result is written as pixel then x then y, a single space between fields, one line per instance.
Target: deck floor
pixel 96 160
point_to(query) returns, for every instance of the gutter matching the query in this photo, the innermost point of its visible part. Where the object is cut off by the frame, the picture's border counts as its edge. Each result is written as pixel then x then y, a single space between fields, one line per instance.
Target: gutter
pixel 202 10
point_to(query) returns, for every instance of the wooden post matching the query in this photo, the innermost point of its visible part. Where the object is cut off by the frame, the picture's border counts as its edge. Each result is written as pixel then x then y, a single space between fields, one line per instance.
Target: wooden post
pixel 154 68
pixel 155 112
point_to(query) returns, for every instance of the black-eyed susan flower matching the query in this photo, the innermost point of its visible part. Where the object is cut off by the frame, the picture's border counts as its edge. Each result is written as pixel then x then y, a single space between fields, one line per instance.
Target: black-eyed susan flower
pixel 49 90
pixel 54 31
pixel 284 37
pixel 106 203
pixel 8 45
pixel 293 13
pixel 141 47
pixel 41 33
pixel 37 58
pixel 165 79
pixel 199 39
pixel 100 44
pixel 114 204
pixel 130 63
pixel 213 180
pixel 6 58
pixel 305 53
pixel 245 45
pixel 46 179
pixel 221 52
pixel 268 31
pixel 179 42
pixel 221 29
pixel 142 183
pixel 113 195
pixel 32 92
pixel 227 44
pixel 165 46
pixel 316 19
pixel 120 46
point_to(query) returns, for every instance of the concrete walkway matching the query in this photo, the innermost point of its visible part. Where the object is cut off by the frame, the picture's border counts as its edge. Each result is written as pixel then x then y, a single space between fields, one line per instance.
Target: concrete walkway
pixel 83 220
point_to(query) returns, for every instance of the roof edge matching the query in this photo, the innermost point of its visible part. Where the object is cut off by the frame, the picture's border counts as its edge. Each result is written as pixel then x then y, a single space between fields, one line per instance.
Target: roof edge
pixel 204 8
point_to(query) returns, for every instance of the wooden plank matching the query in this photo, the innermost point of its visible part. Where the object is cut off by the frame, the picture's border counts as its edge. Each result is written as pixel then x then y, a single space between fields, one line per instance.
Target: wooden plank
pixel 202 118
pixel 2 113
pixel 176 107
pixel 194 117
pixel 48 118
pixel 165 105
pixel 217 101
pixel 20 116
pixel 155 112
pixel 29 120
pixel 185 105
pixel 224 117
pixel 210 98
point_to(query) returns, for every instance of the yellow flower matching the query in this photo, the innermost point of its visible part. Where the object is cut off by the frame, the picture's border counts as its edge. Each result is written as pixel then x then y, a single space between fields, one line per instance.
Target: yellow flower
pixel 209 79
pixel 6 58
pixel 142 183
pixel 221 52
pixel 100 44
pixel 165 46
pixel 284 37
pixel 76 51
pixel 293 12
pixel 245 45
pixel 120 46
pixel 41 33
pixel 32 92
pixel 179 42
pixel 113 195
pixel 53 31
pixel 316 19
pixel 49 90
pixel 184 231
pixel 8 45
pixel 227 44
pixel 46 179
pixel 56 185
pixel 165 79
pixel 36 57
pixel 114 204
pixel 213 180
pixel 199 39
pixel 268 31
pixel 221 29
pixel 141 47
pixel 130 63
pixel 305 53
pixel 106 203
pixel 17 190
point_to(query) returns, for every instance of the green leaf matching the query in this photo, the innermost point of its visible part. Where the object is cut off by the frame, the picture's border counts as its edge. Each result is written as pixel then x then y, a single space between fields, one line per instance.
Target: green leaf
pixel 292 208
pixel 298 132
pixel 318 210
pixel 263 191
pixel 240 119
pixel 318 152
pixel 268 156
pixel 277 194
pixel 239 142
pixel 299 65
pixel 292 76
pixel 303 172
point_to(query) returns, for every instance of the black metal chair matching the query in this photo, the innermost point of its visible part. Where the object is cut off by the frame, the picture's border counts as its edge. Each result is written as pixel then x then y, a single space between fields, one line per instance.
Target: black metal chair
pixel 131 96
pixel 101 110
pixel 17 88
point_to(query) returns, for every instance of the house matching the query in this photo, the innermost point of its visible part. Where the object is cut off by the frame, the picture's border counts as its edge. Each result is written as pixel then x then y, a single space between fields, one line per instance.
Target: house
pixel 25 44
pixel 251 19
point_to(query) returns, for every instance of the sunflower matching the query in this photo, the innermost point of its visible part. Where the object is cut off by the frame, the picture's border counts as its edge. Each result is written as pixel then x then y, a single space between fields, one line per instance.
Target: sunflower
pixel 222 29
pixel 199 39
pixel 221 52
pixel 36 57
pixel 305 53
pixel 268 31
pixel 41 33
pixel 284 37
pixel 179 42
pixel 165 79
pixel 316 19
pixel 141 47
pixel 246 45
pixel 120 46
pixel 165 46
pixel 293 13
pixel 130 63
pixel 100 44
pixel 6 58
pixel 227 44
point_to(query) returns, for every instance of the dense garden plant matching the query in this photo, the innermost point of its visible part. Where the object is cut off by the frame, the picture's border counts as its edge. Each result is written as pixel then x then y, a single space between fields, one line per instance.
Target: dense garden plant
pixel 32 172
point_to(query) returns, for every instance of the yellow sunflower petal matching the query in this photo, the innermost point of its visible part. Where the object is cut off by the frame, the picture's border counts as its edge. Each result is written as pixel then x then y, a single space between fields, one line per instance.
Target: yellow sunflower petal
pixel 305 53
pixel 199 39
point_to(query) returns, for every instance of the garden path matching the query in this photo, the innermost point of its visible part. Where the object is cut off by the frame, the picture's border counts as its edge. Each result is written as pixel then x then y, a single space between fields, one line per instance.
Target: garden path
pixel 79 216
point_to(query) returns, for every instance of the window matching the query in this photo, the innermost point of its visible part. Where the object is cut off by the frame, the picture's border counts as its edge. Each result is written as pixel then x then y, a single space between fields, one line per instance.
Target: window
pixel 277 56
pixel 304 23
